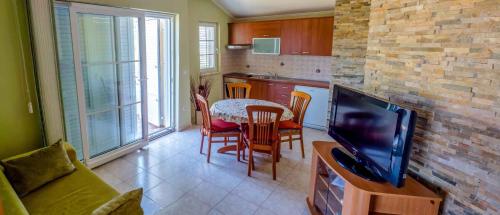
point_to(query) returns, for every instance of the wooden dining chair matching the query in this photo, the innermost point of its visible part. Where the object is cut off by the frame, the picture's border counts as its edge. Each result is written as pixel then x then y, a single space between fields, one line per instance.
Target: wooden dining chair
pixel 239 90
pixel 216 128
pixel 288 128
pixel 261 134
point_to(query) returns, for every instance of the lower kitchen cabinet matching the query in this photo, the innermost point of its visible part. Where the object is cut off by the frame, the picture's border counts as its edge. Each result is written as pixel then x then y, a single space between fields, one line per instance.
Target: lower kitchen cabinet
pixel 271 91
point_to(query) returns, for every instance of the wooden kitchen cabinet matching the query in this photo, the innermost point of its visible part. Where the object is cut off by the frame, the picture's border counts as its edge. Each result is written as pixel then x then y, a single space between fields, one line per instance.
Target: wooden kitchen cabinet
pixel 259 90
pixel 271 91
pixel 240 33
pixel 311 36
pixel 321 36
pixel 308 36
pixel 266 29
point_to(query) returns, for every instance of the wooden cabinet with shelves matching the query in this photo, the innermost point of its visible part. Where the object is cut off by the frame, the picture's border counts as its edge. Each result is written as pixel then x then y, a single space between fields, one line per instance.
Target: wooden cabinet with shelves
pixel 308 36
pixel 335 190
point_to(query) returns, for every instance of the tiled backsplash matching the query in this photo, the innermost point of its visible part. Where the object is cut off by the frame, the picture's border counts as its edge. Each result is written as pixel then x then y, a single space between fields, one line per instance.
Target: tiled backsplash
pixel 293 66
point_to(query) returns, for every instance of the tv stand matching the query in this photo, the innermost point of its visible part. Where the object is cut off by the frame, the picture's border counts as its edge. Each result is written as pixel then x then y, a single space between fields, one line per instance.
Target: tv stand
pixel 353 166
pixel 336 190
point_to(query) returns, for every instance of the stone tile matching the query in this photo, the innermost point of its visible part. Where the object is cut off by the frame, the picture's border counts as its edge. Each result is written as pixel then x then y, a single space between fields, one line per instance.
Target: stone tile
pixel 209 193
pixel 165 194
pixel 149 206
pixel 145 180
pixel 184 181
pixel 233 204
pixel 263 211
pixel 187 205
pixel 285 201
pixel 252 192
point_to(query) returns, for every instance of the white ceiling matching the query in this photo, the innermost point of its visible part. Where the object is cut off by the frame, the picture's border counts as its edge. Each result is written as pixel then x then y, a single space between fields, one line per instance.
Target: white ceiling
pixel 251 8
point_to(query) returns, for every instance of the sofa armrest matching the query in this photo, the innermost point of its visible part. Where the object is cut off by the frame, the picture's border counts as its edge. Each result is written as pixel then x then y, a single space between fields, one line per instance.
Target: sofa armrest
pixel 70 151
pixel 12 205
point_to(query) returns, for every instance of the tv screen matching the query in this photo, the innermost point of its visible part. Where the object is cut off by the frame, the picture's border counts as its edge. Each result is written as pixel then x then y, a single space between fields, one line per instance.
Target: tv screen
pixel 377 133
pixel 360 122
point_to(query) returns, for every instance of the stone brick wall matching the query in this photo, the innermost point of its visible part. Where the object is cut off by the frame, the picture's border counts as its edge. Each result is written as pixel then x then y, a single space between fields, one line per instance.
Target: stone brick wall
pixel 350 34
pixel 443 58
pixel 350 39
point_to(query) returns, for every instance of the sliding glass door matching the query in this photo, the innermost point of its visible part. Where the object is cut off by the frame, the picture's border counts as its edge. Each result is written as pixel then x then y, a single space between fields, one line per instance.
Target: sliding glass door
pixel 159 39
pixel 104 63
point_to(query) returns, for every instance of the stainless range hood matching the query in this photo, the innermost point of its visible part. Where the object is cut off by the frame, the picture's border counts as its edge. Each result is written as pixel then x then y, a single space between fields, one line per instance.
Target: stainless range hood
pixel 238 46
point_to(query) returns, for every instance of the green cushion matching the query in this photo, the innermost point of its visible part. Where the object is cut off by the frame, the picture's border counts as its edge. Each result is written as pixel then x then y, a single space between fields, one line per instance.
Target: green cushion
pixel 127 203
pixel 31 171
pixel 80 192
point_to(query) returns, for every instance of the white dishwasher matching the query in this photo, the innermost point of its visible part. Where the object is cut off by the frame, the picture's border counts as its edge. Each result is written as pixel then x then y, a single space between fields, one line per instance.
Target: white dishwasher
pixel 317 110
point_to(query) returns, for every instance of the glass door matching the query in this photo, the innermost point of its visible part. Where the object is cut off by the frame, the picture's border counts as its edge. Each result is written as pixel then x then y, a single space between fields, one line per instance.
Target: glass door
pixel 117 89
pixel 111 74
pixel 159 59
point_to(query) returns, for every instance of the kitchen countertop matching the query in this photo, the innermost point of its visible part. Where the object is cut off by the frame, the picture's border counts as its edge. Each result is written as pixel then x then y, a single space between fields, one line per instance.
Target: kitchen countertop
pixel 295 81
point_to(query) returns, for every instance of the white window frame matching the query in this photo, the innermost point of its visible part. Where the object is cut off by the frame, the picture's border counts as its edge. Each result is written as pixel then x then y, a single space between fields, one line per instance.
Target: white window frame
pixel 214 69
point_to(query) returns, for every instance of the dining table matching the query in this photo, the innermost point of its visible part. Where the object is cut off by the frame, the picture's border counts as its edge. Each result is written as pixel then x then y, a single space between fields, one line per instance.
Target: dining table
pixel 234 110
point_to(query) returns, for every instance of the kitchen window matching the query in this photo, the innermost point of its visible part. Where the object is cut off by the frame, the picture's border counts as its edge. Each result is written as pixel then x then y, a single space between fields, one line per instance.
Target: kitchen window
pixel 208 47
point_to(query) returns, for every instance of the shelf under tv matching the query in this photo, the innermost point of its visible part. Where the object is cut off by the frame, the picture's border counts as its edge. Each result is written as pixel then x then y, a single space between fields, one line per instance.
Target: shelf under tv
pixel 361 196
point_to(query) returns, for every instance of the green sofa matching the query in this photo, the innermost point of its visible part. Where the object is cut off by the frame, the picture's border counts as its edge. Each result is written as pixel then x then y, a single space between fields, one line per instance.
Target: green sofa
pixel 77 193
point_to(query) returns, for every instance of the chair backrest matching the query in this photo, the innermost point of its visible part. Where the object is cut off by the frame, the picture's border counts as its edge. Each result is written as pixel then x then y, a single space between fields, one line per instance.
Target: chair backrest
pixel 263 122
pixel 203 104
pixel 239 90
pixel 298 105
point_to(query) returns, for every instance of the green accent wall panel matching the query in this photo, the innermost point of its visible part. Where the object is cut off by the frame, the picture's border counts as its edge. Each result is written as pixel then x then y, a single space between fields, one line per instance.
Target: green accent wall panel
pixel 20 131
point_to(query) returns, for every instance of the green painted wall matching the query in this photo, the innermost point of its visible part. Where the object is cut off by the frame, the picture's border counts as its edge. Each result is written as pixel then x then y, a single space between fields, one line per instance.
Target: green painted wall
pixel 20 131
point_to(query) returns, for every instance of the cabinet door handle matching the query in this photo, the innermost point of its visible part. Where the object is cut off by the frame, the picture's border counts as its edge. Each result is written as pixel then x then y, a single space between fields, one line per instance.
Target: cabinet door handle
pixel 265 35
pixel 305 52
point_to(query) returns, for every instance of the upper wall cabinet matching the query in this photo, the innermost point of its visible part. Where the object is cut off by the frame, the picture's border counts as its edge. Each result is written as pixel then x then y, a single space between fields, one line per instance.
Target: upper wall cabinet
pixel 309 36
pixel 240 33
pixel 266 29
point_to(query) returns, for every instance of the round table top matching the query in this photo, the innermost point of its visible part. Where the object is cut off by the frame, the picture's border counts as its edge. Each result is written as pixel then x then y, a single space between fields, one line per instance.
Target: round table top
pixel 234 110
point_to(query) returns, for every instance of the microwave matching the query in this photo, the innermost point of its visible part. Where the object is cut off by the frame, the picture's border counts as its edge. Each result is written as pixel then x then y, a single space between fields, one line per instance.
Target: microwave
pixel 269 46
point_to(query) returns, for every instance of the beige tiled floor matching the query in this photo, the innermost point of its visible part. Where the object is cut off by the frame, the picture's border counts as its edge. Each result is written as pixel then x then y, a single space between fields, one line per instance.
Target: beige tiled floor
pixel 177 179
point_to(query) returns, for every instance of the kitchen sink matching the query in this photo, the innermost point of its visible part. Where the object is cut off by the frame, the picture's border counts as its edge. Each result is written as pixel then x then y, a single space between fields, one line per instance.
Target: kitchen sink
pixel 261 76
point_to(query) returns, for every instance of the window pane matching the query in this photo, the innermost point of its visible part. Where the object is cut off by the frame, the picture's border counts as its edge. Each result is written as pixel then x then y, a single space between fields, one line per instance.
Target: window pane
pixel 100 87
pixel 103 132
pixel 131 123
pixel 207 45
pixel 127 38
pixel 67 79
pixel 96 38
pixel 130 83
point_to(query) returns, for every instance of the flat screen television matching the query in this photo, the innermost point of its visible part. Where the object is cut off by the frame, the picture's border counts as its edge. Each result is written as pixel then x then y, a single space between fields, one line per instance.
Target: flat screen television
pixel 376 133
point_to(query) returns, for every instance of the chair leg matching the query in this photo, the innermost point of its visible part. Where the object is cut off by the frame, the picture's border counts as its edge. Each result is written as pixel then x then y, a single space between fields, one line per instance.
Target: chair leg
pixel 290 139
pixel 274 155
pixel 225 141
pixel 238 148
pixel 250 161
pixel 302 143
pixel 201 145
pixel 209 147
